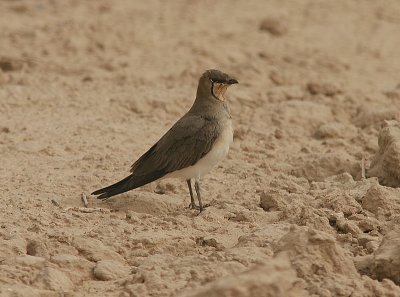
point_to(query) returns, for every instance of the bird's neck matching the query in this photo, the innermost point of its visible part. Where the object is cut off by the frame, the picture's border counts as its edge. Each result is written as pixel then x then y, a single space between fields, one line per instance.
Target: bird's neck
pixel 210 107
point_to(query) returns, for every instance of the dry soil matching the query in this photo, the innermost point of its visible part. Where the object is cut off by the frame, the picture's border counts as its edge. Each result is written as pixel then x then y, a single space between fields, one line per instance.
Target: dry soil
pixel 86 87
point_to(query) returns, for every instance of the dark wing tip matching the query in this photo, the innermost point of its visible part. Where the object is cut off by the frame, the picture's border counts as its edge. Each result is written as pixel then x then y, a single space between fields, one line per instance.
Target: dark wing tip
pixel 97 192
pixel 103 196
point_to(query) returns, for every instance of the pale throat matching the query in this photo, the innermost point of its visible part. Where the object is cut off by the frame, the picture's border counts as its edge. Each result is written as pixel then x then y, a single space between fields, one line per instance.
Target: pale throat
pixel 219 90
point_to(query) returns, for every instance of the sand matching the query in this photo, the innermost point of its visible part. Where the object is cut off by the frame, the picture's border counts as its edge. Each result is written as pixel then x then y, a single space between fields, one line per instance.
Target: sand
pixel 86 87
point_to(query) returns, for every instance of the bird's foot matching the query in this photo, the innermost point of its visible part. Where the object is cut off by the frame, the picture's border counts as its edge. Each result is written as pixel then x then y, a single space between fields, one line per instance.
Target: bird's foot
pixel 194 206
pixel 197 207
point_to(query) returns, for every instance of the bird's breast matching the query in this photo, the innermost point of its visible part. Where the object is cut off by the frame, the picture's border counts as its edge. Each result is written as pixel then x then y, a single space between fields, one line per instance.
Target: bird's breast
pixel 222 143
pixel 218 151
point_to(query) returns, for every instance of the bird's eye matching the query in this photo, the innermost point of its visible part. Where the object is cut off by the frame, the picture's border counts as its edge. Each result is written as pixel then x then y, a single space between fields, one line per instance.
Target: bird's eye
pixel 217 80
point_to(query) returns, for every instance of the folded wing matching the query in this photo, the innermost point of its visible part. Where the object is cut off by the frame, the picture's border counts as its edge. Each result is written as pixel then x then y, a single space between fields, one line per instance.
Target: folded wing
pixel 182 146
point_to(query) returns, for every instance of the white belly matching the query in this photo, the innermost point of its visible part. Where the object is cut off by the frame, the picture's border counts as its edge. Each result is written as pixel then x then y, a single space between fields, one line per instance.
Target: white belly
pixel 217 153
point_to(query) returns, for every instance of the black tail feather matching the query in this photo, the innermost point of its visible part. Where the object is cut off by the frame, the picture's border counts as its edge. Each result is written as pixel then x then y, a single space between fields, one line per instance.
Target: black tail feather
pixel 128 183
pixel 114 189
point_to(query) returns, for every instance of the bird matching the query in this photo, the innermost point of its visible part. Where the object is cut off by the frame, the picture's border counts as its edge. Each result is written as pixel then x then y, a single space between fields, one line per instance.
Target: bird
pixel 191 147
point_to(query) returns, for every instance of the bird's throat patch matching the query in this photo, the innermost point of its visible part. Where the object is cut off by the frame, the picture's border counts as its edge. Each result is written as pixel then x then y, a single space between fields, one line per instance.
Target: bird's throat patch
pixel 218 90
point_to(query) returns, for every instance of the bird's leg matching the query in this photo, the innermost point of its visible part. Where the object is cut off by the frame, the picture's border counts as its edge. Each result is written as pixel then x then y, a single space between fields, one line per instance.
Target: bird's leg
pixel 192 202
pixel 197 187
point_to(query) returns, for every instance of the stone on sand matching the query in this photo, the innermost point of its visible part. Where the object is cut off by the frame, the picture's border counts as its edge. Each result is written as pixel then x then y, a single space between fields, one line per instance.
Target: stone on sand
pixel 110 270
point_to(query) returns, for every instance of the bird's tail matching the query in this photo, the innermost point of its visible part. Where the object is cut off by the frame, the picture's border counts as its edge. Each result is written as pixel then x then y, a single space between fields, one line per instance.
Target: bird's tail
pixel 115 189
pixel 128 183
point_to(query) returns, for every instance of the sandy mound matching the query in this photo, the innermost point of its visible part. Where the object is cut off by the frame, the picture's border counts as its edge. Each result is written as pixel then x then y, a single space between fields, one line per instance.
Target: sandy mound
pixel 87 86
pixel 384 262
pixel 386 163
pixel 275 278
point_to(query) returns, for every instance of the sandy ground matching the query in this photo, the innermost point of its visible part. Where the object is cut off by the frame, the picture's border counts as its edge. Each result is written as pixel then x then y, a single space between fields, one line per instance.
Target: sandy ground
pixel 87 86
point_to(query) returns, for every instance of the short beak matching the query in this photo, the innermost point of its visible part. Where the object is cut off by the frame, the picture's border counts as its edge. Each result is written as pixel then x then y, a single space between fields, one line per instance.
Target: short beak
pixel 232 81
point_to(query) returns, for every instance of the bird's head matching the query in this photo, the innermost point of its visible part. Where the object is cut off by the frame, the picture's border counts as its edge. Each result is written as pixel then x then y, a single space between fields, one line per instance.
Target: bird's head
pixel 213 84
